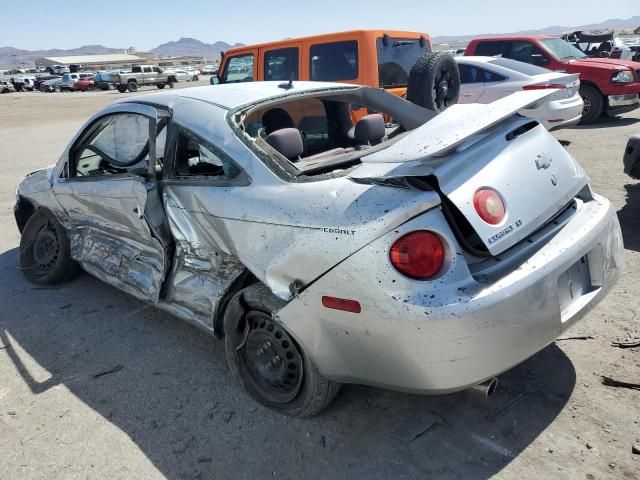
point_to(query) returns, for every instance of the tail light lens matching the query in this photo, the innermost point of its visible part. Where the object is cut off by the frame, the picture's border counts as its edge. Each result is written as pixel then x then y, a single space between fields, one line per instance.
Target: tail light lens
pixel 489 206
pixel 544 86
pixel 418 255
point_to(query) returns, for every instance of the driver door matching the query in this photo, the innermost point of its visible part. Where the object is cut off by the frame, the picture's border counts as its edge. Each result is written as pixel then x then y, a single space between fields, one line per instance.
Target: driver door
pixel 119 231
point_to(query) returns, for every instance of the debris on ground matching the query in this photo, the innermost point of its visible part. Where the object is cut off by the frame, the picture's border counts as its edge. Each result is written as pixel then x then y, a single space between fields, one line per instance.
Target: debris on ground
pixel 635 449
pixel 635 342
pixel 115 369
pixel 610 382
pixel 578 337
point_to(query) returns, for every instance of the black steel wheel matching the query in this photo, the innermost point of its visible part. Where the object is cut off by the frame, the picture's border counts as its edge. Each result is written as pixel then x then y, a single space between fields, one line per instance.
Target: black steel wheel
pixel 267 362
pixel 45 256
pixel 593 104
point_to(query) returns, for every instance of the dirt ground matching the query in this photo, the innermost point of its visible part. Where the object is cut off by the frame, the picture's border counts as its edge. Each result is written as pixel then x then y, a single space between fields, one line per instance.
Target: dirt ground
pixel 170 409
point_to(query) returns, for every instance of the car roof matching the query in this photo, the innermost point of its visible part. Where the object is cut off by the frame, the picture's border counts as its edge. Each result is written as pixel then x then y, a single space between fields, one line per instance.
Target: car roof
pixel 512 37
pixel 232 95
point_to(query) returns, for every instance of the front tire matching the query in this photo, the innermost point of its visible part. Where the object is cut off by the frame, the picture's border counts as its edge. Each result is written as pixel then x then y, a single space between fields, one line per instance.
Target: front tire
pixel 45 254
pixel 593 104
pixel 267 362
pixel 434 81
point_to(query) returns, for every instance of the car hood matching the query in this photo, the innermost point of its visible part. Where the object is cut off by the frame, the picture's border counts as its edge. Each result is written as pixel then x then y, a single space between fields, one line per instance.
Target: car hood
pixel 604 63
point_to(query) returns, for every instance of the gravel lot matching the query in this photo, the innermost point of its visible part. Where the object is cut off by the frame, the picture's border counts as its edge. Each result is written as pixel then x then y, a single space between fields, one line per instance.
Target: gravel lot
pixel 172 411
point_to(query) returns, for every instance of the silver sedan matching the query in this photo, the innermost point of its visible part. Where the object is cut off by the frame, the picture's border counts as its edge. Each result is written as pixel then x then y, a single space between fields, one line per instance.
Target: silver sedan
pixel 330 233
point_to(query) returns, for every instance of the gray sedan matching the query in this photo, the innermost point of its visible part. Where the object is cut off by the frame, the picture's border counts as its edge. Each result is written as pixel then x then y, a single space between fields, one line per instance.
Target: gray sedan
pixel 330 233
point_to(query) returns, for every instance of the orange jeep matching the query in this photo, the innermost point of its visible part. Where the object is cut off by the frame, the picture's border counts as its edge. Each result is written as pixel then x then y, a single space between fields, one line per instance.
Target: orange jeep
pixel 377 58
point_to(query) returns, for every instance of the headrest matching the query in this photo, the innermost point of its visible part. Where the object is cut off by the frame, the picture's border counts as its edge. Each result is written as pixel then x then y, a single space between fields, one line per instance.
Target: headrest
pixel 287 141
pixel 275 119
pixel 369 128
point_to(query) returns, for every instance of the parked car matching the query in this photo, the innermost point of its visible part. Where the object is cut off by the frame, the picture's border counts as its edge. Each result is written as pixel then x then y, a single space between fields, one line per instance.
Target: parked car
pixel 37 83
pixel 606 85
pixel 602 44
pixel 22 82
pixel 58 69
pixel 85 83
pixel 180 75
pixel 103 80
pixel 53 85
pixel 142 75
pixel 425 258
pixel 487 79
pixel 68 81
pixel 6 87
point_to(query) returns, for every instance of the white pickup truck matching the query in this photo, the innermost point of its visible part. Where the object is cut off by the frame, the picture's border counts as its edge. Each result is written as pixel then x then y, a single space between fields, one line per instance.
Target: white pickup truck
pixel 142 75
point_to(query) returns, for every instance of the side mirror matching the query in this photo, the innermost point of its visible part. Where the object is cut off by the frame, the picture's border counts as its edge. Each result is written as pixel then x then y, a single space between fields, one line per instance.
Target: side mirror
pixel 214 80
pixel 539 60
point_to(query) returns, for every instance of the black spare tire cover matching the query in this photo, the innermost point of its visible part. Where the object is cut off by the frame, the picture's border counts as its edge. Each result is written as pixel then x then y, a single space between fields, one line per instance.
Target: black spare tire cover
pixel 434 81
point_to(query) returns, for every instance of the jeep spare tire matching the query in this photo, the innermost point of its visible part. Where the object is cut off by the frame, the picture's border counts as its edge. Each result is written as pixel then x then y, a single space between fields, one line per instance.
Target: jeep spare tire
pixel 434 81
pixel 595 36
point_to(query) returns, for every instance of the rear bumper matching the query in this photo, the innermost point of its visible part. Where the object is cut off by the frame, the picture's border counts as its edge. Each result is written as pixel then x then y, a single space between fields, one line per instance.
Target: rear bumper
pixel 558 114
pixel 453 334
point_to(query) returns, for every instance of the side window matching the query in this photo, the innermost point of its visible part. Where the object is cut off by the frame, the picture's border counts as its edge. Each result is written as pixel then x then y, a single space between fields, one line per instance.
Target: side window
pixel 280 64
pixel 488 76
pixel 196 158
pixel 527 52
pixel 157 70
pixel 334 61
pixel 239 69
pixel 116 144
pixel 147 69
pixel 469 74
pixel 489 48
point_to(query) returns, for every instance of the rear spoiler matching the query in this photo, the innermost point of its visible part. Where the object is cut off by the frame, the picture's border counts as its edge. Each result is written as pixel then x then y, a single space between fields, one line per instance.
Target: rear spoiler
pixel 444 133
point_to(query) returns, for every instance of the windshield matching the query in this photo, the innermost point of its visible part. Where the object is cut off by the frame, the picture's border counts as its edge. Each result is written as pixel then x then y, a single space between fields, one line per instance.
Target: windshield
pixel 396 59
pixel 560 49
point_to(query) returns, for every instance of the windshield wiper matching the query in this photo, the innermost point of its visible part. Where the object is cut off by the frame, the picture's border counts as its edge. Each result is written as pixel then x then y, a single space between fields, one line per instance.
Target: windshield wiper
pixel 400 43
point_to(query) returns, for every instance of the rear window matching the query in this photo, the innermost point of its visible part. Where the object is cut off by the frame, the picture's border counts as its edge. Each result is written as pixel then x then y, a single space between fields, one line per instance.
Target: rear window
pixel 396 58
pixel 334 61
pixel 281 64
pixel 489 48
pixel 520 67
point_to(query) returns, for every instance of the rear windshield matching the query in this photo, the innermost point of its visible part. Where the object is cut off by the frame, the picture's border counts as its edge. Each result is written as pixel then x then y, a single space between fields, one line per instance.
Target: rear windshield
pixel 521 67
pixel 396 58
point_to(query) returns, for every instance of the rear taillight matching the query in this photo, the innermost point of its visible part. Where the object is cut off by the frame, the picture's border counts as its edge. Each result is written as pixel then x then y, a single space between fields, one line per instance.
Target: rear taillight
pixel 489 206
pixel 418 255
pixel 544 86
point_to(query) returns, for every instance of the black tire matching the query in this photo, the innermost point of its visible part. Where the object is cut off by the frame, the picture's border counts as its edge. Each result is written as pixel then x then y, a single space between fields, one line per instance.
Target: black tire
pixel 595 36
pixel 194 78
pixel 434 81
pixel 122 88
pixel 248 320
pixel 171 81
pixel 132 86
pixel 45 256
pixel 593 104
pixel 161 86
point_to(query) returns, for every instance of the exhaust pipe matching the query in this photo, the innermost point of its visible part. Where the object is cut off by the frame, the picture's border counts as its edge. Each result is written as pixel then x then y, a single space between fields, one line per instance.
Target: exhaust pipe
pixel 487 387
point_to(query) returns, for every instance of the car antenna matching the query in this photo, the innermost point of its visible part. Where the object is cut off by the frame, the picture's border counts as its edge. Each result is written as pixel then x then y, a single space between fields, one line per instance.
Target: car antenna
pixel 289 85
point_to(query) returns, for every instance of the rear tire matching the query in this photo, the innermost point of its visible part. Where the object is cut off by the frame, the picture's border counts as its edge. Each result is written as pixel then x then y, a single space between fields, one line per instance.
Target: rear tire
pixel 161 86
pixel 122 88
pixel 434 81
pixel 291 385
pixel 593 104
pixel 45 254
pixel 132 87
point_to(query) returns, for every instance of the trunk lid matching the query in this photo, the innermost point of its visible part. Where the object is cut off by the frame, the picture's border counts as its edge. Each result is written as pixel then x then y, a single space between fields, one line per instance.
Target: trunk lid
pixel 467 148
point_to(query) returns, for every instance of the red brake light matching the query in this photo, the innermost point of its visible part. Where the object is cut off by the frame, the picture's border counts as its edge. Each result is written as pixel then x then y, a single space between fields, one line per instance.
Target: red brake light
pixel 489 206
pixel 418 255
pixel 544 86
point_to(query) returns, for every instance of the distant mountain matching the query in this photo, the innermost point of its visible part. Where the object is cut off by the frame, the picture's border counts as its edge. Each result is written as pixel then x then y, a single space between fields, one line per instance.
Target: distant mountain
pixel 191 46
pixel 614 23
pixel 14 56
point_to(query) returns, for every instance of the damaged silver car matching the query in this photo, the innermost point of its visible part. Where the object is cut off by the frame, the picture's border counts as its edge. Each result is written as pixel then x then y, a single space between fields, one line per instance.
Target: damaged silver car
pixel 331 233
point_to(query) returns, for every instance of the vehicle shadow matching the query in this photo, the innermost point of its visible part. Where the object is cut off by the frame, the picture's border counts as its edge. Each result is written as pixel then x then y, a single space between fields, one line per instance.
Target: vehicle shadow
pixel 608 122
pixel 629 217
pixel 175 399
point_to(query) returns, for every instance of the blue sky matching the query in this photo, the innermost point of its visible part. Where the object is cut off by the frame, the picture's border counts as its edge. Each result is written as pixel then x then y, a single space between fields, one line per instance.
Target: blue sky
pixel 38 24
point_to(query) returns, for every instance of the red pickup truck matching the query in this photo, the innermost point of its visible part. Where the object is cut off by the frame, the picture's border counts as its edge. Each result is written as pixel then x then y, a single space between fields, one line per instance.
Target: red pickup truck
pixel 606 85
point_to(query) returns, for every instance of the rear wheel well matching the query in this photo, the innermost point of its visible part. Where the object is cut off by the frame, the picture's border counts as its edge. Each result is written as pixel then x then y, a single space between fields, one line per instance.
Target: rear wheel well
pixel 245 279
pixel 132 80
pixel 23 211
